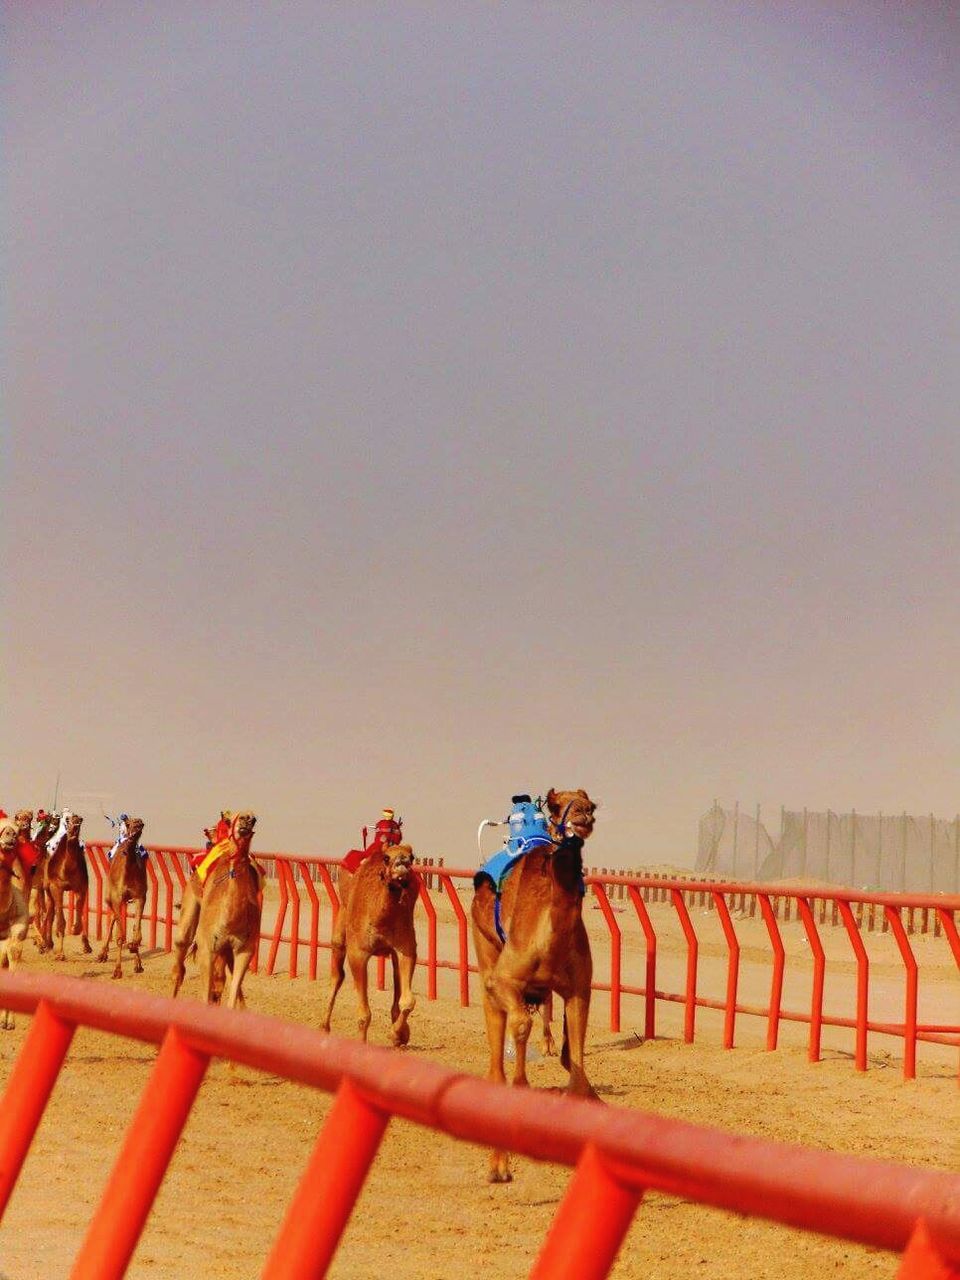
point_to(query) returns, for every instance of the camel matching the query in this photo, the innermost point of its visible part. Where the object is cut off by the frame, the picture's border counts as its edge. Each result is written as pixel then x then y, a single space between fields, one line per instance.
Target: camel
pixel 376 919
pixel 27 864
pixel 126 882
pixel 14 918
pixel 546 949
pixel 220 915
pixel 47 824
pixel 66 870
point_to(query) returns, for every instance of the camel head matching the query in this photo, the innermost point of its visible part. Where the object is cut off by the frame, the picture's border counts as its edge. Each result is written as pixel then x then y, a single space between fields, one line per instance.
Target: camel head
pixel 397 865
pixel 8 843
pixel 574 810
pixel 74 823
pixel 134 828
pixel 243 825
pixel 23 821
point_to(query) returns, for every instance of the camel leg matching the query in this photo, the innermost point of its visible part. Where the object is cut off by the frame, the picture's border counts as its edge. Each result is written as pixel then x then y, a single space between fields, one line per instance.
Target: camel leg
pixel 35 907
pixel 121 941
pixel 80 927
pixel 46 918
pixel 205 963
pixel 358 961
pixel 6 1024
pixel 338 953
pixel 185 934
pixel 495 1018
pixel 404 1000
pixel 496 1024
pixel 12 951
pixel 548 1046
pixel 105 949
pixel 135 941
pixel 56 892
pixel 241 962
pixel 575 1012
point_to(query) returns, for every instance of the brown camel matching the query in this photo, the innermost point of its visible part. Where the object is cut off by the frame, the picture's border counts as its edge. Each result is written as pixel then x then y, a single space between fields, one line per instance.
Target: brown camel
pixel 546 950
pixel 47 824
pixel 221 915
pixel 66 870
pixel 14 919
pixel 126 882
pixel 376 919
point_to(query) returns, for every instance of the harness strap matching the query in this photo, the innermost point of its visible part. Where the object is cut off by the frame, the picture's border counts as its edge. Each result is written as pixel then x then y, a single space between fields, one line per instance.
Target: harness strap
pixel 498 921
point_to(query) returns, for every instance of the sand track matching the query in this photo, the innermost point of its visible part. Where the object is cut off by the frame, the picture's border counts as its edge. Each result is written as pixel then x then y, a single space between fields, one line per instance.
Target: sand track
pixel 426 1210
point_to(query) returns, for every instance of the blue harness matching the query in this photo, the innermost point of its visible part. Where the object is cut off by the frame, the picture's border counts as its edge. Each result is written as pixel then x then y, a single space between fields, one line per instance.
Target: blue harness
pixel 528 832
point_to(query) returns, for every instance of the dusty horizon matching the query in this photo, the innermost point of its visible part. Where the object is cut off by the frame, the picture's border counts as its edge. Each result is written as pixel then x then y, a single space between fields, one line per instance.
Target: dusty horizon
pixel 411 410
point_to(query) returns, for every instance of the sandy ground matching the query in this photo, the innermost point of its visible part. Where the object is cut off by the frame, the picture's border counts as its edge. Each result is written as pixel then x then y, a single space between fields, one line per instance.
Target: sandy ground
pixel 426 1210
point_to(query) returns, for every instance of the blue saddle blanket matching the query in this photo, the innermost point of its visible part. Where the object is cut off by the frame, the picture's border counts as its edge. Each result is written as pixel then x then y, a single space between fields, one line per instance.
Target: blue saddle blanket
pixel 497 869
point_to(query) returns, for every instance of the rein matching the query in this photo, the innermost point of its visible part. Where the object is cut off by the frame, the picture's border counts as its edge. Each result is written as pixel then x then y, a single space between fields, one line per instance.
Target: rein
pixel 230 870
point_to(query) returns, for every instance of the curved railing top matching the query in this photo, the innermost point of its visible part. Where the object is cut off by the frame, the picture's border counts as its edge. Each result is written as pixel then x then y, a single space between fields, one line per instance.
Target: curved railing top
pixel 688 884
pixel 872 1202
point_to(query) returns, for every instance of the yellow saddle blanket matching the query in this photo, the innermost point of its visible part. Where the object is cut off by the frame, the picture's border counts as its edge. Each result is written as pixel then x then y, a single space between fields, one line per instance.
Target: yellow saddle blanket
pixel 215 854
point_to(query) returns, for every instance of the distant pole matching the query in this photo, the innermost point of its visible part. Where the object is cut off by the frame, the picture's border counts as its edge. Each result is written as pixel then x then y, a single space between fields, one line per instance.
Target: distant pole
pixel 826 856
pixel 932 843
pixel 956 856
pixel 56 792
pixel 803 847
pixel 736 832
pixel 756 847
pixel 853 849
pixel 903 853
pixel 878 883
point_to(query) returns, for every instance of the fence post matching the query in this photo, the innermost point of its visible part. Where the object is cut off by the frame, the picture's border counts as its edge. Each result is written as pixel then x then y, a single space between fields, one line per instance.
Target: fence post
pixel 903 852
pixel 933 833
pixel 140 1168
pixel 803 847
pixel 594 1216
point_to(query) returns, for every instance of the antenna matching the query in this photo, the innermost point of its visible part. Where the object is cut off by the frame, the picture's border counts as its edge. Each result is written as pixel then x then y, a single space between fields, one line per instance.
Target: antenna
pixel 56 792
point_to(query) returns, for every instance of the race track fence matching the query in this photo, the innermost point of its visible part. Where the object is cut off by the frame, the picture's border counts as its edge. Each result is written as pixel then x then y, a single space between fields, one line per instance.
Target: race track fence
pixel 307 894
pixel 616 1153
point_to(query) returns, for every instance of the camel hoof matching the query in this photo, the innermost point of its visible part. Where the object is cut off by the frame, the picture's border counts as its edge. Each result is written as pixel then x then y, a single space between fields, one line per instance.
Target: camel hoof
pixel 60 958
pixel 117 973
pixel 138 967
pixel 87 949
pixel 401 1037
pixel 499 1176
pixel 101 957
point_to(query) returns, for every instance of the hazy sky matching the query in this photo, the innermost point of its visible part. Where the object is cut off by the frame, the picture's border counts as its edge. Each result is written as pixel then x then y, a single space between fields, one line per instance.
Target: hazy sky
pixel 409 405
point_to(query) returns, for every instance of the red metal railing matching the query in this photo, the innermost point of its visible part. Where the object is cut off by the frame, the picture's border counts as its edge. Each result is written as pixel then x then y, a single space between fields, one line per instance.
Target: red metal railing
pixel 301 880
pixel 617 1153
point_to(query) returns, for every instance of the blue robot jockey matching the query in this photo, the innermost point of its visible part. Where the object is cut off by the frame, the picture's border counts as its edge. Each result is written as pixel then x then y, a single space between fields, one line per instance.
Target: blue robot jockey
pixel 527 830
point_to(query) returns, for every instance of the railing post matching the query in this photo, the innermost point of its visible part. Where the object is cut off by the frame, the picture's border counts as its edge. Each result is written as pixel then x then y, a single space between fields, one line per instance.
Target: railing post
pixel 142 1163
pixel 650 976
pixel 463 954
pixel 615 952
pixel 863 977
pixel 431 914
pixel 690 994
pixel 28 1090
pixel 594 1216
pixel 324 1200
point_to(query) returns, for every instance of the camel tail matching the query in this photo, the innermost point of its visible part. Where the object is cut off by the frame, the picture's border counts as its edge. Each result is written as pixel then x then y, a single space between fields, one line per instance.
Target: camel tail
pixel 565 1051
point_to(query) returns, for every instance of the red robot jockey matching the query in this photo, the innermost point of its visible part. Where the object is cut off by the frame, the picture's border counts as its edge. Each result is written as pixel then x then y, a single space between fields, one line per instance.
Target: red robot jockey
pixel 387 832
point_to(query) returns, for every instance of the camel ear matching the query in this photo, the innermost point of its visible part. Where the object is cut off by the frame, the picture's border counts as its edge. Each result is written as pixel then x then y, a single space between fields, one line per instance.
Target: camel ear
pixel 552 803
pixel 581 792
